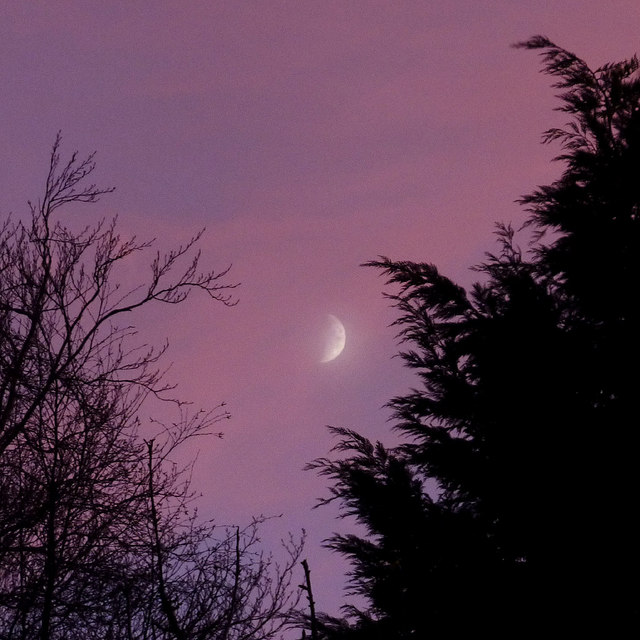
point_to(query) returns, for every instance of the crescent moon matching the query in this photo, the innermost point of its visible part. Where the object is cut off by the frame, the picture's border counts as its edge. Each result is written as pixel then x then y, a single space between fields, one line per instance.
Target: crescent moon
pixel 335 339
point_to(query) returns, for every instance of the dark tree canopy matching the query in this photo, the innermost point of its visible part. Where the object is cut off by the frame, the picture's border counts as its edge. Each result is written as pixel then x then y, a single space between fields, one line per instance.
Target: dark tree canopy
pixel 525 417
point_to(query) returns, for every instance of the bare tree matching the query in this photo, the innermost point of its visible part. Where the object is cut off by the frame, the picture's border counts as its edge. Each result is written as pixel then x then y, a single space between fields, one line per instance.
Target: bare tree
pixel 60 308
pixel 214 582
pixel 85 506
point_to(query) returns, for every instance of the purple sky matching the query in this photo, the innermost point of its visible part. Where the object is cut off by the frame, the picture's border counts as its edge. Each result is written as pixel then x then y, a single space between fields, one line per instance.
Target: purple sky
pixel 307 137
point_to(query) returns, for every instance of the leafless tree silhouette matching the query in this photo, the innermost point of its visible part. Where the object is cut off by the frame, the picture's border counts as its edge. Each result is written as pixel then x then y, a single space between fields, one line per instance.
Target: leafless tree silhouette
pixel 98 534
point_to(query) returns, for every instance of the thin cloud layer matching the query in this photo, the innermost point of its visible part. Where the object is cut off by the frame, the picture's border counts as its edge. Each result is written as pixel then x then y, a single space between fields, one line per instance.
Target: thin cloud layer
pixel 307 138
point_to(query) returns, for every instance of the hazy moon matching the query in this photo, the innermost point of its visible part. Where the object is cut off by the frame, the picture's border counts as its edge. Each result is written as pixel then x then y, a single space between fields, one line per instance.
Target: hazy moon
pixel 335 339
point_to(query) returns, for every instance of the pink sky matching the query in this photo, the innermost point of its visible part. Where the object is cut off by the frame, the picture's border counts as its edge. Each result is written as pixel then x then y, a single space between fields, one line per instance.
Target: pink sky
pixel 307 137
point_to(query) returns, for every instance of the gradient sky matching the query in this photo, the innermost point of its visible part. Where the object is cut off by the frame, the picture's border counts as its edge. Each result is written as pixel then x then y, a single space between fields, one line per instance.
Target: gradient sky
pixel 307 137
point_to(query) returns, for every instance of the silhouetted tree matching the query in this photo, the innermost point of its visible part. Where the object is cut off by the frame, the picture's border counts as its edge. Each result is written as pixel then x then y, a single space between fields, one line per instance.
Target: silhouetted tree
pixel 212 582
pixel 98 533
pixel 510 508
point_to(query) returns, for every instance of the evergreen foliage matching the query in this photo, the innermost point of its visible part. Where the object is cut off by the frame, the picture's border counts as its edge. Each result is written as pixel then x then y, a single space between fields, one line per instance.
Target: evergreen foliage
pixel 525 416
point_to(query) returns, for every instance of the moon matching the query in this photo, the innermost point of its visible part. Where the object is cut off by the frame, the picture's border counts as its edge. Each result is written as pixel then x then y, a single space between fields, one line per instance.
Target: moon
pixel 335 339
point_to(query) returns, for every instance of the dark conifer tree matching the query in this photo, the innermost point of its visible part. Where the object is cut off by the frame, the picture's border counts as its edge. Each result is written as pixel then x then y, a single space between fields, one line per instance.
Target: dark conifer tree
pixel 510 508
